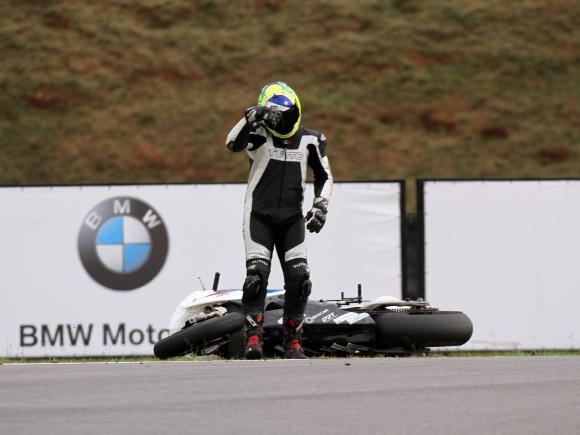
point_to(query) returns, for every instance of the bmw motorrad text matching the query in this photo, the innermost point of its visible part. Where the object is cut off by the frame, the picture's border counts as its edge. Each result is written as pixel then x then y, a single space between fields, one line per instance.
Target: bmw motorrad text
pixel 85 334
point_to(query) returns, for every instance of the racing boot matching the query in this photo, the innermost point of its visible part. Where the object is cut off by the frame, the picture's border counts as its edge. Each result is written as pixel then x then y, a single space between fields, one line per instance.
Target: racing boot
pixel 292 345
pixel 253 348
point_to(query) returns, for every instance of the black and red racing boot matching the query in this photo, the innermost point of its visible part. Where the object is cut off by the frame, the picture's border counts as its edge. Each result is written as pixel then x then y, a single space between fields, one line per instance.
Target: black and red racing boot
pixel 292 345
pixel 253 348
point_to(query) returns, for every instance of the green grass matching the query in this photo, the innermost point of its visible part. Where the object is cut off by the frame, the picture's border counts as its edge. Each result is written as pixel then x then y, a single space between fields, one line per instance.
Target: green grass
pixel 118 91
pixel 71 360
pixel 493 353
pixel 432 354
pixel 87 360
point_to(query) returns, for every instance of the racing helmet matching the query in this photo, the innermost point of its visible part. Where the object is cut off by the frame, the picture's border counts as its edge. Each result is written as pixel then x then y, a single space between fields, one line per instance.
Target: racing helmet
pixel 283 98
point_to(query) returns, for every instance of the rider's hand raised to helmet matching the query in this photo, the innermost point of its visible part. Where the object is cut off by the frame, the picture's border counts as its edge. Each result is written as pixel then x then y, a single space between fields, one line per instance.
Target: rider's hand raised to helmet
pixel 270 115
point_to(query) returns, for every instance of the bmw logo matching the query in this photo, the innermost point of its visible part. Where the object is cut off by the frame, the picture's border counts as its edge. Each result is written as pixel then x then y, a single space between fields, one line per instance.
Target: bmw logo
pixel 123 243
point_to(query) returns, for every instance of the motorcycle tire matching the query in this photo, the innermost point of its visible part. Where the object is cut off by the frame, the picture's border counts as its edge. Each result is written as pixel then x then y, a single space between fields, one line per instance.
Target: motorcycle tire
pixel 188 339
pixel 421 330
pixel 235 346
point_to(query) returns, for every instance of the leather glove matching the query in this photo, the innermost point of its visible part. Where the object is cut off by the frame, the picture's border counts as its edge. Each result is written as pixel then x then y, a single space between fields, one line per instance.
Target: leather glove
pixel 316 217
pixel 270 115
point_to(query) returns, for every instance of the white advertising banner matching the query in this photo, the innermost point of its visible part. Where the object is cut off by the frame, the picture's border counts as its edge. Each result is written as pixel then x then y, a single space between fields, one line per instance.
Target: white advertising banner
pixel 508 254
pixel 98 270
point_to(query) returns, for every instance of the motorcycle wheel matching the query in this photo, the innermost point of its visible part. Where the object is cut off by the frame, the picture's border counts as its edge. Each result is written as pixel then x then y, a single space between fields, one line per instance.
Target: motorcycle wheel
pixel 185 341
pixel 235 347
pixel 420 330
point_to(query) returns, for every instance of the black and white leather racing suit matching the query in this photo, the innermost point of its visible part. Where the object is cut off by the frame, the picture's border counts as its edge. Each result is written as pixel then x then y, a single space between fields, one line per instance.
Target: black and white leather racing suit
pixel 273 207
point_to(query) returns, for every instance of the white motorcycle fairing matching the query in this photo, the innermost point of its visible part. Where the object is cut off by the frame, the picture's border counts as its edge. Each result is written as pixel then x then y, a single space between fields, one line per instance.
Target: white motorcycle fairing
pixel 204 304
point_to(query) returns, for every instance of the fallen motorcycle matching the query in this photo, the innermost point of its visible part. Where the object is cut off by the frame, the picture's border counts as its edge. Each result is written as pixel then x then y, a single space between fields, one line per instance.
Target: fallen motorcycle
pixel 210 322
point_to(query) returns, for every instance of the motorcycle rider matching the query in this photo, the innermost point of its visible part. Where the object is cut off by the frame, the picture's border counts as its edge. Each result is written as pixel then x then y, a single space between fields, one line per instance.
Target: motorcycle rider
pixel 280 150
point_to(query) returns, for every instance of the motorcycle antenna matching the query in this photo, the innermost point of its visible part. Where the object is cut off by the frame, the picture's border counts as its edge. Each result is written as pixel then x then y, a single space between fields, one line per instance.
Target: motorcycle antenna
pixel 201 281
pixel 359 288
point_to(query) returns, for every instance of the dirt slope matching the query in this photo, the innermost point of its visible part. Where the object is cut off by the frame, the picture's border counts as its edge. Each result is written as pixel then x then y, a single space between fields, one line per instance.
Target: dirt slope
pixel 123 91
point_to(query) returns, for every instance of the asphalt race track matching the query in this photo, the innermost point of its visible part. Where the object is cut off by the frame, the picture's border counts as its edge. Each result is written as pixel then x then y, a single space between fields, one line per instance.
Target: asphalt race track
pixel 479 395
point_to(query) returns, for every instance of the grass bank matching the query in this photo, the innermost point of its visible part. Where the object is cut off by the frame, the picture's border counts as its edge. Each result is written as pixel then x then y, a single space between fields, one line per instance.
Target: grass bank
pixel 119 91
pixel 433 354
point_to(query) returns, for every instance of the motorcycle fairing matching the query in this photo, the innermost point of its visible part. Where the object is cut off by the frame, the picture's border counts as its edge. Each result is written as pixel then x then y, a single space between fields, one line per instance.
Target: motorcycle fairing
pixel 194 304
pixel 324 324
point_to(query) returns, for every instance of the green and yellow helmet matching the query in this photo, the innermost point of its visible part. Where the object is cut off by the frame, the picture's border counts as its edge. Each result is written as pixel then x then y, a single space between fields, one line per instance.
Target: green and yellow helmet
pixel 283 97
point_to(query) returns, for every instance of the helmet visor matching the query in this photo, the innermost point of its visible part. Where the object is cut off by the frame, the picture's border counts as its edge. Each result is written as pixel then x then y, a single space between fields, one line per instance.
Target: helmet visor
pixel 290 113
